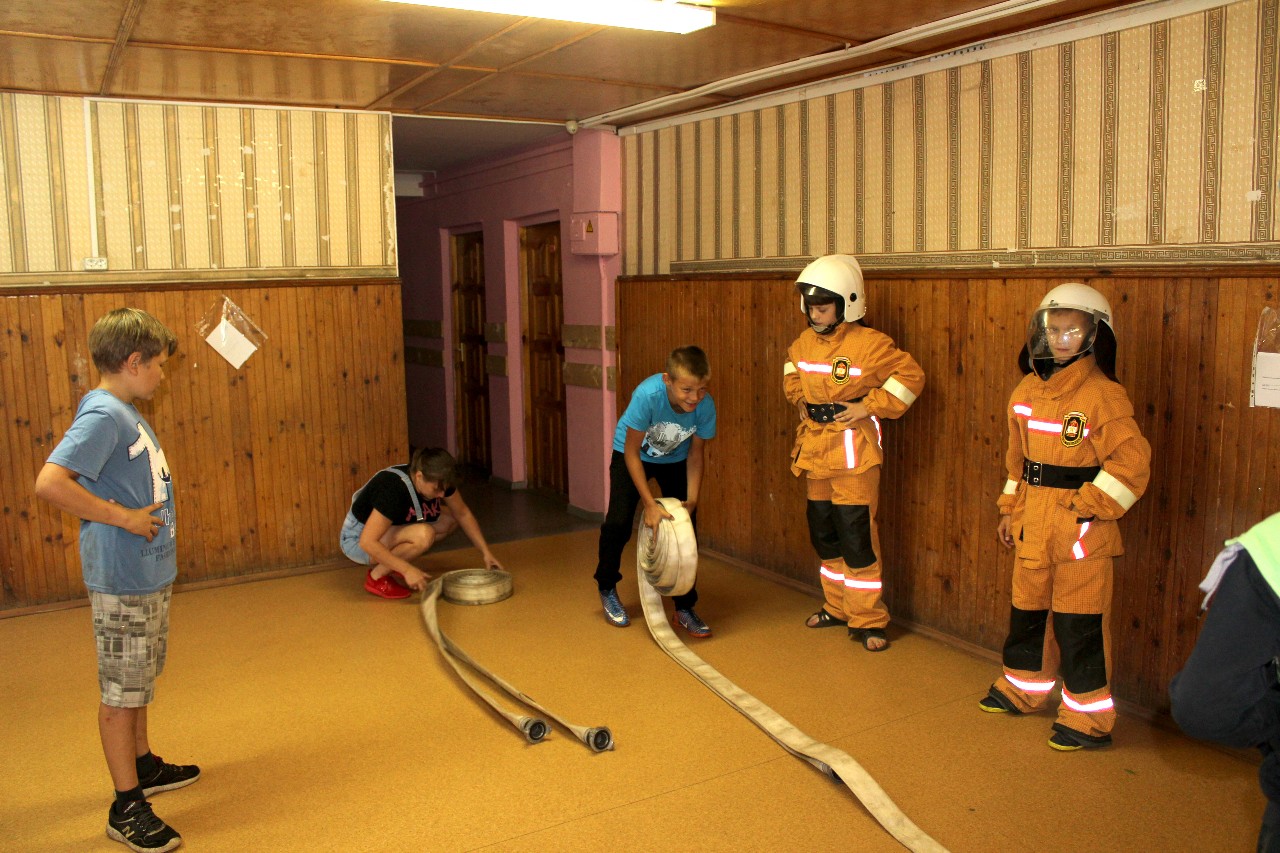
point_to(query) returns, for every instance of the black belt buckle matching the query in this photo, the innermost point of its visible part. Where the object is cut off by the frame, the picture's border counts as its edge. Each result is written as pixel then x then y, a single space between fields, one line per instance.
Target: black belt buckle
pixel 824 413
pixel 1032 471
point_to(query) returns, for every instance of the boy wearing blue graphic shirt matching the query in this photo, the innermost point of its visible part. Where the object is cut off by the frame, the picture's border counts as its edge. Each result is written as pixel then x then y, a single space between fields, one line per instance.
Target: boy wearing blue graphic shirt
pixel 109 471
pixel 659 437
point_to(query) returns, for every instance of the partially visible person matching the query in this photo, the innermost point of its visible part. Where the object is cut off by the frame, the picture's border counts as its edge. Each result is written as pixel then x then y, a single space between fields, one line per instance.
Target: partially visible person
pixel 1229 691
pixel 1076 463
pixel 399 514
pixel 659 437
pixel 844 377
pixel 109 471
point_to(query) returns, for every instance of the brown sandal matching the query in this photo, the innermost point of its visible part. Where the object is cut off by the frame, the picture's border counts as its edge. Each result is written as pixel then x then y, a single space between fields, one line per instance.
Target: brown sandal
pixel 823 620
pixel 862 635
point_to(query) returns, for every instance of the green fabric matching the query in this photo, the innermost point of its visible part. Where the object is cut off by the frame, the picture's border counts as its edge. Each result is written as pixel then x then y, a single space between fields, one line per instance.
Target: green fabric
pixel 1262 541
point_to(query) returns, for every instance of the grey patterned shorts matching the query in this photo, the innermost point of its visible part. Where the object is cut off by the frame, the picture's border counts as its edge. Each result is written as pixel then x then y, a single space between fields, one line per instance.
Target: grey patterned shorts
pixel 132 633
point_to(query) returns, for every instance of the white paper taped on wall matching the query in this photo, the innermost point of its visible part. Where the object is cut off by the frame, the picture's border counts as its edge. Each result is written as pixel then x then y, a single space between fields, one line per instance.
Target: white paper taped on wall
pixel 230 332
pixel 1266 361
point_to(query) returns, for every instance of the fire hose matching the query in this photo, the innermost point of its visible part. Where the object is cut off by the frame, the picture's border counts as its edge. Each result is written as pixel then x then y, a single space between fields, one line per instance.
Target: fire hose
pixel 483 586
pixel 667 564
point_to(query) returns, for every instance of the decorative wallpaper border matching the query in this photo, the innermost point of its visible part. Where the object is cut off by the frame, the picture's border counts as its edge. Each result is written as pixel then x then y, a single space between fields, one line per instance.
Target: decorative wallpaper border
pixel 1135 143
pixel 1131 256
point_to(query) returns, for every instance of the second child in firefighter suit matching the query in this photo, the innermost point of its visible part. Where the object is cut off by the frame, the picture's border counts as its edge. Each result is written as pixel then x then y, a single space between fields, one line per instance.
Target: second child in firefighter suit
pixel 1076 463
pixel 844 377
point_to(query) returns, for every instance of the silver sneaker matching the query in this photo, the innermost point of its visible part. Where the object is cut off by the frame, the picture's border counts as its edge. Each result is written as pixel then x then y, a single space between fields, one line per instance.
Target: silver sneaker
pixel 613 609
pixel 692 623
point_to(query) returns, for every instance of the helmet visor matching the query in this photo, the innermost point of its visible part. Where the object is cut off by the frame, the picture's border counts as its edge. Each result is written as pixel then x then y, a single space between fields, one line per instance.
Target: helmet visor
pixel 1061 333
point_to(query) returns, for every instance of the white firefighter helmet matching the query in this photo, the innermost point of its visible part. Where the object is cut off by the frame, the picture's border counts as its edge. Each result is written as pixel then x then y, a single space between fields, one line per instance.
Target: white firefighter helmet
pixel 1053 332
pixel 838 277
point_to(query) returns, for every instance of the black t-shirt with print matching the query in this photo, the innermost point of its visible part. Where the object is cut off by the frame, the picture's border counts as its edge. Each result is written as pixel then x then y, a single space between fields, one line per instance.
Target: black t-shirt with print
pixel 388 494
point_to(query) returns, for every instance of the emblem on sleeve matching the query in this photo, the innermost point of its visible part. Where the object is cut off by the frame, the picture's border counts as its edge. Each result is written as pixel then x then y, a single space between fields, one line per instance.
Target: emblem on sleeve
pixel 1074 428
pixel 840 370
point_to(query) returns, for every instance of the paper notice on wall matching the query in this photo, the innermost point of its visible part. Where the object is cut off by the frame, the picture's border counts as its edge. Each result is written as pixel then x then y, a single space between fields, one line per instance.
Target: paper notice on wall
pixel 1266 361
pixel 231 344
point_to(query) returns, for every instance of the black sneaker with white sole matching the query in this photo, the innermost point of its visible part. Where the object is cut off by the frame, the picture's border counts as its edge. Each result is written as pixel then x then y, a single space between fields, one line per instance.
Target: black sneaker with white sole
pixel 137 826
pixel 167 777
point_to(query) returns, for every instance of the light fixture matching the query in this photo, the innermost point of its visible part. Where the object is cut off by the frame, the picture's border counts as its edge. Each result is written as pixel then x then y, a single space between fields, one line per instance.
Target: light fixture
pixel 666 16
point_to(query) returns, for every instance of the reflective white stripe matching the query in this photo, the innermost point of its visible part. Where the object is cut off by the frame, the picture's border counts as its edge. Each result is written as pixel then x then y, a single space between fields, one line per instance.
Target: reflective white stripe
pixel 788 369
pixel 1088 707
pixel 897 389
pixel 811 367
pixel 838 577
pixel 1117 490
pixel 1078 548
pixel 879 432
pixel 1030 686
pixel 857 584
pixel 1022 409
pixel 1048 426
pixel 1010 487
pixel 850 457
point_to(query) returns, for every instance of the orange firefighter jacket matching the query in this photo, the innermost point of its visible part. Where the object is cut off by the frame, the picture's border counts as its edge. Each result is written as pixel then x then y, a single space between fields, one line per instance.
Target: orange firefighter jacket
pixel 1078 418
pixel 852 363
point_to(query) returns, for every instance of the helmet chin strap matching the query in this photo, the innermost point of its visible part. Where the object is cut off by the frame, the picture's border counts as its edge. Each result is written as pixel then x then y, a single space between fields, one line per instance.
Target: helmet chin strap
pixel 824 330
pixel 1046 367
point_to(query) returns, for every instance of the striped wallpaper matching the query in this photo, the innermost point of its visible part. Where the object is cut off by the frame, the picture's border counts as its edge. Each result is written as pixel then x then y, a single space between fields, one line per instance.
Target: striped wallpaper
pixel 1155 143
pixel 201 191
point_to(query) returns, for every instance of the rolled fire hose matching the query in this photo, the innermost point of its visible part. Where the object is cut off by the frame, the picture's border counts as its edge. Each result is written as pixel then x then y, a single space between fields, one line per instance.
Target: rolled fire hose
pixel 483 586
pixel 669 561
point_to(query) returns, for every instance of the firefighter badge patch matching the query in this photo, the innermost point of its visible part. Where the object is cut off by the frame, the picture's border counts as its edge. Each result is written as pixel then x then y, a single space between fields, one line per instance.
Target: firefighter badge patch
pixel 1075 426
pixel 840 370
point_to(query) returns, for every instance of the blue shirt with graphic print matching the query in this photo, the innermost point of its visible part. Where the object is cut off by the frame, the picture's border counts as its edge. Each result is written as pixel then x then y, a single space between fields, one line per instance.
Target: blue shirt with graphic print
pixel 666 431
pixel 115 453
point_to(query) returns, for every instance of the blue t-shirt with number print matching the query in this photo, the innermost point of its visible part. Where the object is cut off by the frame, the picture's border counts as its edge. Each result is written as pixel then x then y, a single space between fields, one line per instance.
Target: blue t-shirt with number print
pixel 667 433
pixel 113 450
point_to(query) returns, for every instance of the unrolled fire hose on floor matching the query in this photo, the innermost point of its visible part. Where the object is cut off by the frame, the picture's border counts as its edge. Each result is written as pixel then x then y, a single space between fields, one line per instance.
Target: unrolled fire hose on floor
pixel 667 564
pixel 483 586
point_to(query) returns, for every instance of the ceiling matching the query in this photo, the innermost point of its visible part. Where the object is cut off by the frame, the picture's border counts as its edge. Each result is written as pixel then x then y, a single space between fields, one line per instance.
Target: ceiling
pixel 478 83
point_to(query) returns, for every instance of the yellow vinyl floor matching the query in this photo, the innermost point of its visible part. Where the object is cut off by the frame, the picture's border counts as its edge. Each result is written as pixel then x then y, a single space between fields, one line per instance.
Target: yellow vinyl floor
pixel 324 719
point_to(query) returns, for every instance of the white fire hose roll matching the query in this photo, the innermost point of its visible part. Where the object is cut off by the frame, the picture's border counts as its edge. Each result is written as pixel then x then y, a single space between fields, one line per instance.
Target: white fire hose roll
pixel 669 561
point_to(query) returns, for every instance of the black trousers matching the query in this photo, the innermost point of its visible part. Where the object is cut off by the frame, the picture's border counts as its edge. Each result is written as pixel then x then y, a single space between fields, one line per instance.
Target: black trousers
pixel 619 521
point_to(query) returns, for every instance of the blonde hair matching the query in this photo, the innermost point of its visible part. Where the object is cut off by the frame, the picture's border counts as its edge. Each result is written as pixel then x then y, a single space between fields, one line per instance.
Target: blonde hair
pixel 124 331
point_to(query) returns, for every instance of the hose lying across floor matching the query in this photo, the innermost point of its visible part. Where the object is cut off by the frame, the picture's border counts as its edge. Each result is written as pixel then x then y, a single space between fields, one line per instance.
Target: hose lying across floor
pixel 667 564
pixel 482 586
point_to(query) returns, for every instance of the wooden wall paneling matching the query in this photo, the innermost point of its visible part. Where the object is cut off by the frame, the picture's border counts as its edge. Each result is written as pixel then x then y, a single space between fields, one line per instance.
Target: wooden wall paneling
pixel 14 558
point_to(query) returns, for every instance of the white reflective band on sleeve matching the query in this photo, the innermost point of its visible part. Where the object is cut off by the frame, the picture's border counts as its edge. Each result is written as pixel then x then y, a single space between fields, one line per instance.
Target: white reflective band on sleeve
pixel 1118 491
pixel 850 455
pixel 1088 707
pixel 1030 686
pixel 813 367
pixel 897 389
pixel 1010 487
pixel 1022 409
pixel 788 369
pixel 857 584
pixel 1048 426
pixel 879 432
pixel 838 577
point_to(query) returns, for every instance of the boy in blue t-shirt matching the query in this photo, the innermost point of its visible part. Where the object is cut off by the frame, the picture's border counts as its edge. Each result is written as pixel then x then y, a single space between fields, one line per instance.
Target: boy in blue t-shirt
pixel 659 436
pixel 109 471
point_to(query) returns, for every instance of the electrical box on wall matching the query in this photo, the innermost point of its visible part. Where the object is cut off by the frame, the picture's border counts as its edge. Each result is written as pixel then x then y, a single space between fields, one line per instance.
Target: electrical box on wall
pixel 594 233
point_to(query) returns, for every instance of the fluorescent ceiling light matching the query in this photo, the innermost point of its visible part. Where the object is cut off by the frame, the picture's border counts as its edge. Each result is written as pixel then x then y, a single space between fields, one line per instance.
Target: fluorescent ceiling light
pixel 664 16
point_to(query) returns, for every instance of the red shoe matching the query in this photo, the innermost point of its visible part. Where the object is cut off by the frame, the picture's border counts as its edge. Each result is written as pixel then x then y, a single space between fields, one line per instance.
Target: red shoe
pixel 385 587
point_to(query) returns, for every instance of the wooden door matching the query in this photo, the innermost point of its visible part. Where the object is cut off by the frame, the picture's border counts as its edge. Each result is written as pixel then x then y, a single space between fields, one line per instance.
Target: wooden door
pixel 471 380
pixel 543 342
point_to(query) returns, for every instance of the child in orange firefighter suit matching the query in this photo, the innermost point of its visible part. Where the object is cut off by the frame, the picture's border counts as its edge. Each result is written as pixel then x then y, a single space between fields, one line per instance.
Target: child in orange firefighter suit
pixel 843 378
pixel 1076 463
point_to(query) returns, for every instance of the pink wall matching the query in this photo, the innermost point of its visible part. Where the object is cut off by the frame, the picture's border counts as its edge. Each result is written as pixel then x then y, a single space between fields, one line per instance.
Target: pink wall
pixel 580 173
